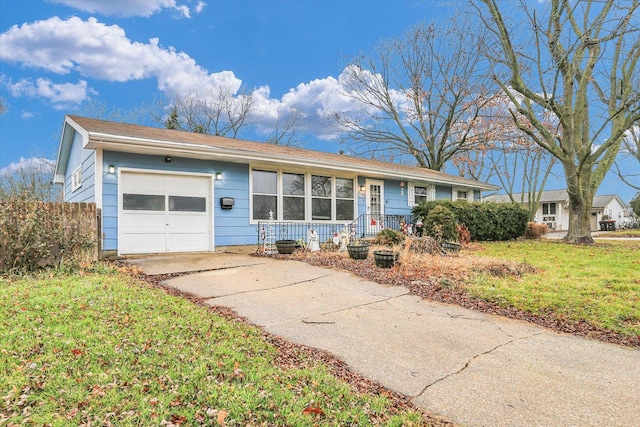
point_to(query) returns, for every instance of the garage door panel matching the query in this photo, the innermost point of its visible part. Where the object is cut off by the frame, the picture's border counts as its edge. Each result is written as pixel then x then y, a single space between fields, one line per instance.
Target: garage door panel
pixel 143 183
pixel 184 222
pixel 187 242
pixel 139 243
pixel 186 185
pixel 144 222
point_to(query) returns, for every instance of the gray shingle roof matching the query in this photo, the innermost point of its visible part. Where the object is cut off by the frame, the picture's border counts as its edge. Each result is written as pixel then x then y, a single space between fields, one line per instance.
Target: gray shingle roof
pixel 101 131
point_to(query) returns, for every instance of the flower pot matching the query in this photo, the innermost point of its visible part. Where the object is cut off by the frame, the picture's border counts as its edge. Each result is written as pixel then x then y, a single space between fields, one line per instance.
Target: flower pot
pixel 358 251
pixel 385 259
pixel 286 246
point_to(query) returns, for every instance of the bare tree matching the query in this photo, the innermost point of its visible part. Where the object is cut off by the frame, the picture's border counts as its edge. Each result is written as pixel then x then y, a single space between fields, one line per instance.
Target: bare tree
pixel 578 63
pixel 510 155
pixel 420 96
pixel 30 180
pixel 630 148
pixel 215 111
pixel 286 128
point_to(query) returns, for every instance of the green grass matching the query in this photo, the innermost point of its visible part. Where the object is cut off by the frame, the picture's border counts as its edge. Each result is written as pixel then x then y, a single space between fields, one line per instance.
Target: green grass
pixel 599 284
pixel 99 348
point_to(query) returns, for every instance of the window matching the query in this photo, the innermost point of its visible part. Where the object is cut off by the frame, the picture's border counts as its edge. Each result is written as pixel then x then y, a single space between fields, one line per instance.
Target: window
pixel 420 192
pixel 302 197
pixel 143 202
pixel 462 194
pixel 344 199
pixel 76 178
pixel 321 199
pixel 549 212
pixel 265 194
pixel 548 208
pixel 187 204
pixel 293 197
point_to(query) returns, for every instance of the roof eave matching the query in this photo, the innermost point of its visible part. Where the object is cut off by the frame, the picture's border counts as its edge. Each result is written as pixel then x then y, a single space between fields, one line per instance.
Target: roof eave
pixel 162 147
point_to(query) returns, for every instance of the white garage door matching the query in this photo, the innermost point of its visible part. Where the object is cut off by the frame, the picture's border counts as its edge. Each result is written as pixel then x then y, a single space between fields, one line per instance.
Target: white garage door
pixel 164 213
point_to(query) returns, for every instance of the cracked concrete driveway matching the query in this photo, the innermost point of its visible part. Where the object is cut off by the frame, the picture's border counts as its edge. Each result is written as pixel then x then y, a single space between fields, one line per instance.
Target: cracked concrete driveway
pixel 473 368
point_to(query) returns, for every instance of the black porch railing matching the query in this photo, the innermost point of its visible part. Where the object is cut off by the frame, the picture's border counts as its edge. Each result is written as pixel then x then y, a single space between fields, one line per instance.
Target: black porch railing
pixel 369 225
pixel 365 226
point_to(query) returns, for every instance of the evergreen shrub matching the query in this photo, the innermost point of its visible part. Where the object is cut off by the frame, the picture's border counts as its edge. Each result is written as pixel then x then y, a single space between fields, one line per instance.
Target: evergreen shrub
pixel 485 221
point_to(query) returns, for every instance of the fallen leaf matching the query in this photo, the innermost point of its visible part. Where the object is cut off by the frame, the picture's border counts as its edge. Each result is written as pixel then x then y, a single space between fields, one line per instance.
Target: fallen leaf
pixel 76 352
pixel 313 409
pixel 221 417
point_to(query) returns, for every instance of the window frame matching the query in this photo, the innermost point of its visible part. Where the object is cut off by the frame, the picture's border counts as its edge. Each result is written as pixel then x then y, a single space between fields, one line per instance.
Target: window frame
pixel 411 193
pixel 470 194
pixel 76 178
pixel 308 195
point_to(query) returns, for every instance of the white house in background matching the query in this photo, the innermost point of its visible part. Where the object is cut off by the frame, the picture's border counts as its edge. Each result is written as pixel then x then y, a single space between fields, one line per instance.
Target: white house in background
pixel 553 209
pixel 162 190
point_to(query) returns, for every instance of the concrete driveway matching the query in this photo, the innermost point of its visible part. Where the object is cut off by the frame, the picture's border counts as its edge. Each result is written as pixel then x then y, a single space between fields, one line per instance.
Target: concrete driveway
pixel 473 368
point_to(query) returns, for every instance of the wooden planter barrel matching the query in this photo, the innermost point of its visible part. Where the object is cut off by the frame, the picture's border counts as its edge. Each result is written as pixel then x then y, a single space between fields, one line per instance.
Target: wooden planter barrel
pixel 358 251
pixel 385 259
pixel 286 247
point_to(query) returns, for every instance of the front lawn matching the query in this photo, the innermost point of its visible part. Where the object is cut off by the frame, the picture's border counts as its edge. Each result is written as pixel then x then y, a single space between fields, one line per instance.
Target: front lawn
pixel 591 291
pixel 100 348
pixel 598 284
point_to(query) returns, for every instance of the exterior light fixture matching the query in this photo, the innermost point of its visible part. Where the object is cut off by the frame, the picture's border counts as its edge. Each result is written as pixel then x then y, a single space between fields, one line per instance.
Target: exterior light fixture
pixel 362 188
pixel 168 159
pixel 402 188
pixel 219 176
pixel 112 169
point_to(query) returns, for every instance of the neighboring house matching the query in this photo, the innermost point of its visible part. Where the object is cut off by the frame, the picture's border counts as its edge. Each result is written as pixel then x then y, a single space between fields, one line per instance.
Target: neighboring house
pixel 553 209
pixel 163 190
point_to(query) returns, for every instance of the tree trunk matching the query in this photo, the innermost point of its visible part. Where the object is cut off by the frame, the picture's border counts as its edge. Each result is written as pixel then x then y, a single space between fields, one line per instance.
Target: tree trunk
pixel 580 203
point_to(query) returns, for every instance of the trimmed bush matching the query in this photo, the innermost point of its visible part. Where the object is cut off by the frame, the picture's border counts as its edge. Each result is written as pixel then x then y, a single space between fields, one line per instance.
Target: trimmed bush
pixel 485 221
pixel 440 223
pixel 390 237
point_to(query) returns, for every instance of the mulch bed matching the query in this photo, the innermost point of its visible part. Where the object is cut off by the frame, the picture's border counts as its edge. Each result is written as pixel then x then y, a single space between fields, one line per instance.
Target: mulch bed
pixel 443 280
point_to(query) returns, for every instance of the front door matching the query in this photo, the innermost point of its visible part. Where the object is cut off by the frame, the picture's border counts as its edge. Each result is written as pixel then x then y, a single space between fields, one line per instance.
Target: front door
pixel 375 206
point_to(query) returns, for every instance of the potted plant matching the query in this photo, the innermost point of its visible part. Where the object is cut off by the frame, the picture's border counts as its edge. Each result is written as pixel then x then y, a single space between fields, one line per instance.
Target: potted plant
pixel 358 249
pixel 286 247
pixel 385 258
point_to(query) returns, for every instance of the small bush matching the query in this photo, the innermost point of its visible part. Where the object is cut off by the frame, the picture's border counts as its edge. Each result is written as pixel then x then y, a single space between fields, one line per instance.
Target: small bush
pixel 464 236
pixel 440 224
pixel 34 234
pixel 389 237
pixel 535 230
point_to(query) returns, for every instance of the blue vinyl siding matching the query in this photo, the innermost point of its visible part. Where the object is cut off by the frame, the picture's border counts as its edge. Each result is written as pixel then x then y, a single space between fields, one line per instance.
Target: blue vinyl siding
pixel 231 227
pixel 87 158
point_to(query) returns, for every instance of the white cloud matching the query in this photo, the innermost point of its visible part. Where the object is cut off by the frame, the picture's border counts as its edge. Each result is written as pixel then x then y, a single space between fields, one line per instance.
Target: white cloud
pixel 104 52
pixel 99 51
pixel 27 115
pixel 61 95
pixel 38 163
pixel 127 8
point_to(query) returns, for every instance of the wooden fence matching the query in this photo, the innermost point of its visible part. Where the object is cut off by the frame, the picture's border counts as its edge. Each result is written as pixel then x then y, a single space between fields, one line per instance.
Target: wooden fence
pixel 68 230
pixel 81 221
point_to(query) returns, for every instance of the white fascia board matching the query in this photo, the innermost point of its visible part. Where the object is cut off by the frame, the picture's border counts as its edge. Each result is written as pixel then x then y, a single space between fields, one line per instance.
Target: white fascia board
pixel 159 147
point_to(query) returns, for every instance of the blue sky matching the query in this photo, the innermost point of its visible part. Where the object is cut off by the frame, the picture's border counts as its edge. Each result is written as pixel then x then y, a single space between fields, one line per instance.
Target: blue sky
pixel 54 55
